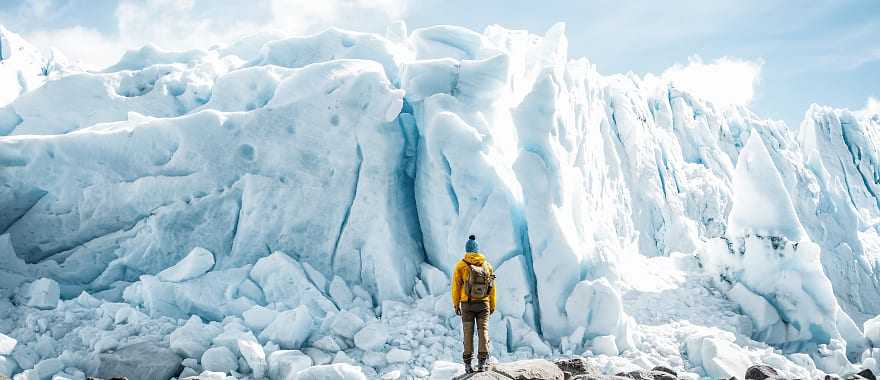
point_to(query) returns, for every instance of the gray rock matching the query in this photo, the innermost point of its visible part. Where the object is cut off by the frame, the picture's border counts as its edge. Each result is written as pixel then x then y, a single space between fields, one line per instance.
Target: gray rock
pixel 859 376
pixel 575 366
pixel 636 375
pixel 140 361
pixel 665 370
pixel 868 374
pixel 536 369
pixel 761 372
pixel 596 376
pixel 488 375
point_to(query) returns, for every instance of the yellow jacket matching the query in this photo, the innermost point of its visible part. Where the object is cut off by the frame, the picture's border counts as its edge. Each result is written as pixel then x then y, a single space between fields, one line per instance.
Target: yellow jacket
pixel 460 277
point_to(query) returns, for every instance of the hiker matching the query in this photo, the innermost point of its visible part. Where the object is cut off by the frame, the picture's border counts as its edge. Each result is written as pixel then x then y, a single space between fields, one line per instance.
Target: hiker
pixel 473 297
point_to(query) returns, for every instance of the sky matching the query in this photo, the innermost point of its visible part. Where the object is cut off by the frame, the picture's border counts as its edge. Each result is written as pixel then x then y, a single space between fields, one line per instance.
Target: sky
pixel 777 57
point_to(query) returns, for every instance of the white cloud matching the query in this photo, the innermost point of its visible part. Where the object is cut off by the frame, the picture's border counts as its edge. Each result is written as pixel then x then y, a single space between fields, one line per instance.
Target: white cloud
pixel 187 24
pixel 724 82
pixel 87 47
pixel 871 108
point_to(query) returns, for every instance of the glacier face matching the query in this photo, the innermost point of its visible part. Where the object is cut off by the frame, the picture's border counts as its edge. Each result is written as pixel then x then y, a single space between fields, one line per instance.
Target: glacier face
pixel 366 160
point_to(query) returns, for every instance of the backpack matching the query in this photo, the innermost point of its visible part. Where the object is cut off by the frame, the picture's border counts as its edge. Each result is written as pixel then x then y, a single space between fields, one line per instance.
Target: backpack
pixel 480 282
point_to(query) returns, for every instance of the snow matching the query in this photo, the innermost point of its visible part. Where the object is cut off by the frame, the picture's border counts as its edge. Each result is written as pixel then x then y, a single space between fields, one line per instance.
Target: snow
pixel 278 204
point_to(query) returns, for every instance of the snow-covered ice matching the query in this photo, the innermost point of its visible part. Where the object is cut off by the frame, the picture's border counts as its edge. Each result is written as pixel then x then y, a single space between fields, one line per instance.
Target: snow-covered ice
pixel 291 207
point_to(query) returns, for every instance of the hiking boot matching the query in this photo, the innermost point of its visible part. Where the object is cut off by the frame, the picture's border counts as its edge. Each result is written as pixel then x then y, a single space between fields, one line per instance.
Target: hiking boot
pixel 483 362
pixel 468 368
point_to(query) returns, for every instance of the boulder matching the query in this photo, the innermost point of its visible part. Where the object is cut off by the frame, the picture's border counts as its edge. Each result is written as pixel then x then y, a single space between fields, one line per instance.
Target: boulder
pixel 761 372
pixel 663 373
pixel 574 366
pixel 866 374
pixel 488 375
pixel 637 375
pixel 139 361
pixel 530 370
pixel 596 376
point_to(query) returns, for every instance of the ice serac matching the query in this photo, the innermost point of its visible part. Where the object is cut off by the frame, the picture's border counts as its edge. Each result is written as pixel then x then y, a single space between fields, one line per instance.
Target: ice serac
pixel 840 150
pixel 761 205
pixel 770 267
pixel 22 68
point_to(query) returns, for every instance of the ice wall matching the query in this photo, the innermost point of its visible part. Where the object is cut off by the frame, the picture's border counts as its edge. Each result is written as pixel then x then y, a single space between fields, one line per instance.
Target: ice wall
pixel 370 158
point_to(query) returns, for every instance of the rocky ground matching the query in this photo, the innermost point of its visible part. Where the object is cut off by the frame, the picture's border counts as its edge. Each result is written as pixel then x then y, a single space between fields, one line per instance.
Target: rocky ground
pixel 580 369
pixel 135 367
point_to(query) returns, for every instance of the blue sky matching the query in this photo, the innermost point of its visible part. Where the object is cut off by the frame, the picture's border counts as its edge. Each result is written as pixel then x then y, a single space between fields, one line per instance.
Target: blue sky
pixel 817 51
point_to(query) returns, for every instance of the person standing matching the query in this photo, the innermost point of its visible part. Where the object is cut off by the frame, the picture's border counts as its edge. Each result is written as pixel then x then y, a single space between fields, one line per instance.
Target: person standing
pixel 473 297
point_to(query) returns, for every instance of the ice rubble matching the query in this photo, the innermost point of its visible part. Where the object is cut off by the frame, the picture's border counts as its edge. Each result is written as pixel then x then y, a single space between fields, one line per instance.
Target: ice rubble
pixel 287 204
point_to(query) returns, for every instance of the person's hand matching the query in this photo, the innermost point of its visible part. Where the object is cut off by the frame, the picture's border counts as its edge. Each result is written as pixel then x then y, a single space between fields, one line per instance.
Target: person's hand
pixel 457 310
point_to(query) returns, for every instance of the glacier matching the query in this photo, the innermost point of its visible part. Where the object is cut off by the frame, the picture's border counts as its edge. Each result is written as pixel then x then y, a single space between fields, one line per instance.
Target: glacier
pixel 291 207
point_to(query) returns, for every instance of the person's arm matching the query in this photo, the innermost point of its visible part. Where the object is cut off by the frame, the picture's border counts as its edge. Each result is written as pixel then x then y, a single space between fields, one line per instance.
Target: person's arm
pixel 492 293
pixel 456 288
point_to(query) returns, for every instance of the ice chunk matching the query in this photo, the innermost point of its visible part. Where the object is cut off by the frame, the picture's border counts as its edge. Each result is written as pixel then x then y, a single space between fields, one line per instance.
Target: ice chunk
pixel 194 337
pixel 210 295
pixel 605 345
pixel 371 337
pixel 8 366
pixel 259 317
pixel 342 357
pixel 443 370
pixel 720 358
pixel 209 375
pixel 762 313
pixel 339 371
pixel 198 262
pixel 219 359
pixel 761 204
pixel 598 307
pixel 396 355
pixel 346 324
pixel 44 294
pixel 254 355
pixel 327 343
pixel 290 328
pixel 285 364
pixel 7 344
pixel 284 280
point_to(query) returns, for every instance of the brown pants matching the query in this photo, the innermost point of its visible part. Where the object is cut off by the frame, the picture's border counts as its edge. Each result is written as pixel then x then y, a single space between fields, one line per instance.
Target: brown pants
pixel 475 312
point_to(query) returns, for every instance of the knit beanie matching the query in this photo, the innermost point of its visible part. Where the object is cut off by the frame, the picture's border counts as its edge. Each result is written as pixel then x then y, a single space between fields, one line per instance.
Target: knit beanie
pixel 472 245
